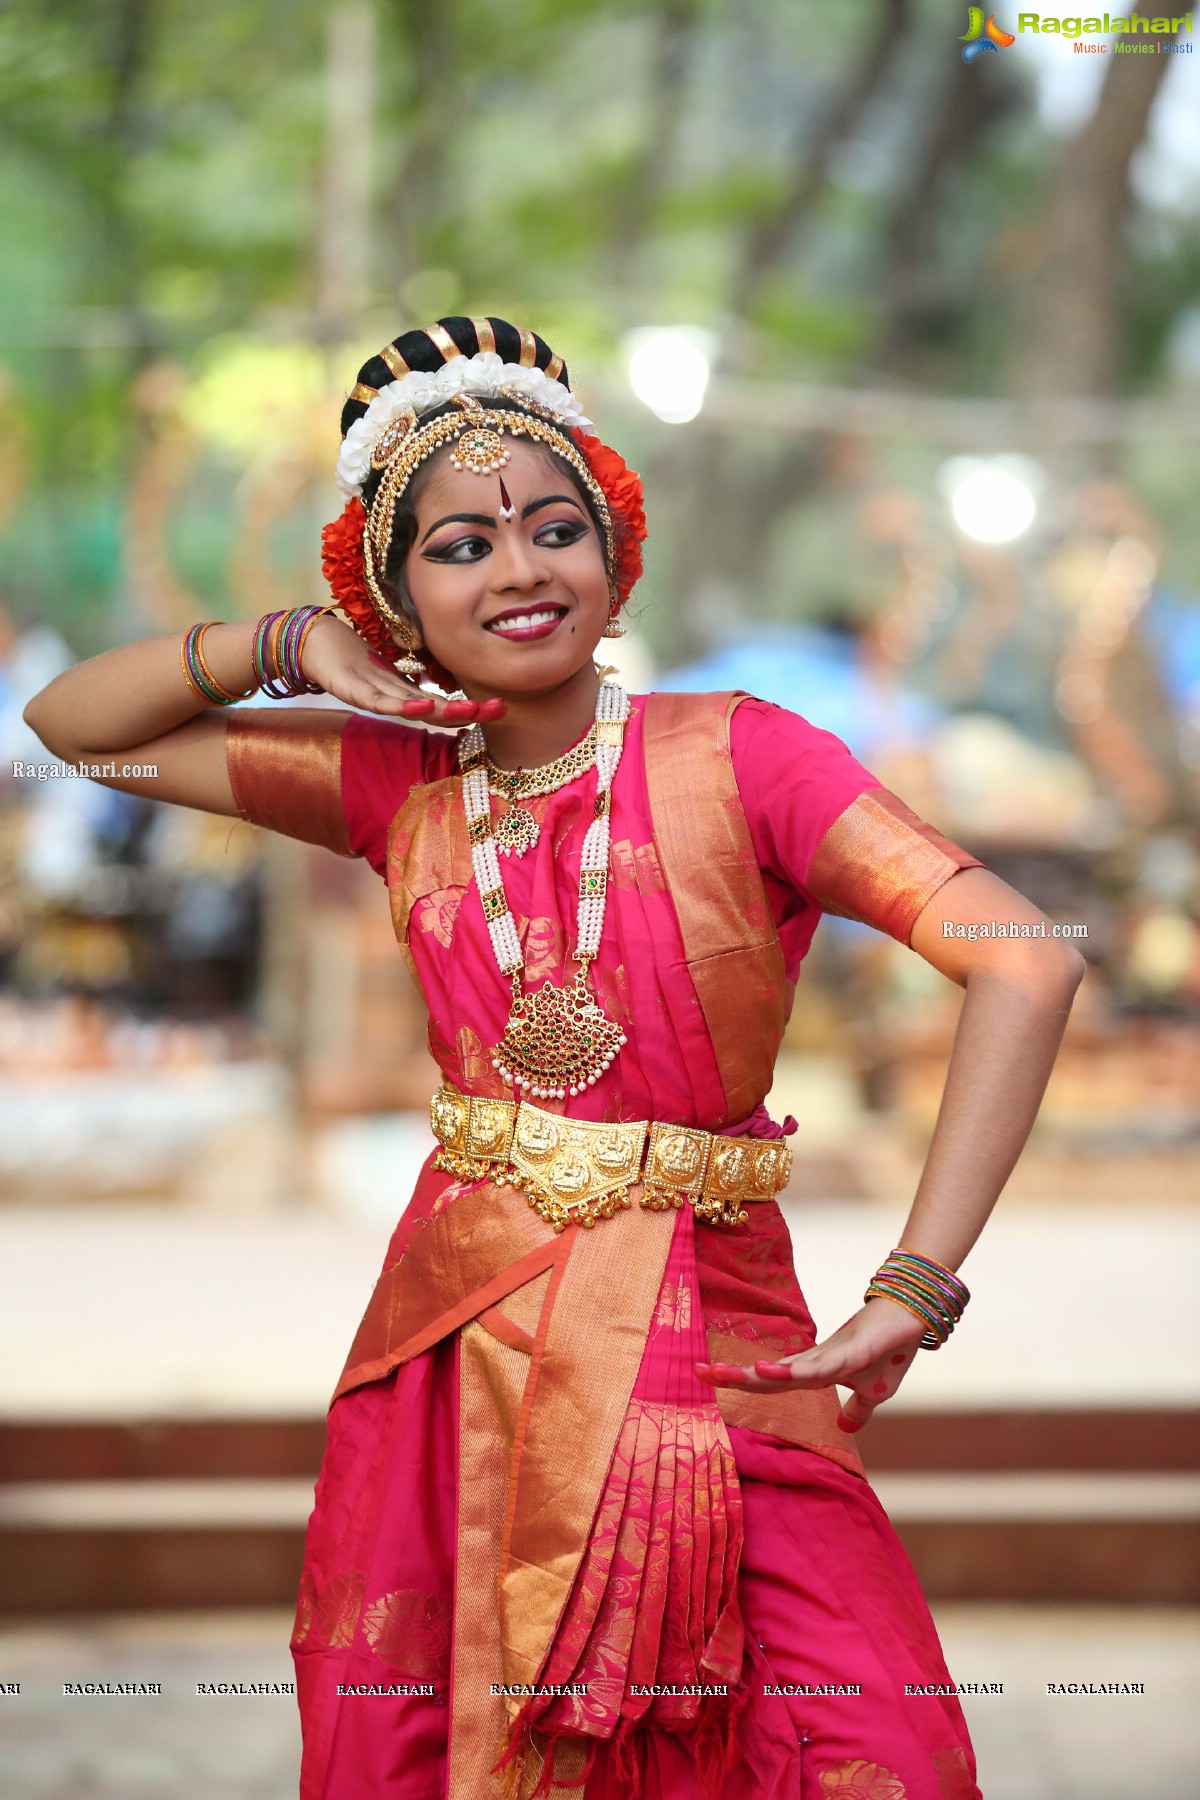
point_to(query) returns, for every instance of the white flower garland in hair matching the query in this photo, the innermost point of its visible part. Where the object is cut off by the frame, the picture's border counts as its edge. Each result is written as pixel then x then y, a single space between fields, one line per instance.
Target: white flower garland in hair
pixel 482 375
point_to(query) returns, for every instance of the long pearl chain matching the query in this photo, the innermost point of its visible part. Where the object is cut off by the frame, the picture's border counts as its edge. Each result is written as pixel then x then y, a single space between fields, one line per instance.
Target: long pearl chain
pixel 530 1058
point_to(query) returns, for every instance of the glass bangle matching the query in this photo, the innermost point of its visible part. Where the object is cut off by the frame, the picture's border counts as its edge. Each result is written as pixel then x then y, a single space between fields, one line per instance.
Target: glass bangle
pixel 937 1331
pixel 938 1297
pixel 942 1287
pixel 197 673
pixel 933 1268
pixel 937 1303
pixel 267 681
pixel 296 629
pixel 312 687
pixel 228 697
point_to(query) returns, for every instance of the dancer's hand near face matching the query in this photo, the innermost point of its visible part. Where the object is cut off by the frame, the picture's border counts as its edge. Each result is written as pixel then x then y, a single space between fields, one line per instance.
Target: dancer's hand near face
pixel 131 709
pixel 337 659
pixel 870 1354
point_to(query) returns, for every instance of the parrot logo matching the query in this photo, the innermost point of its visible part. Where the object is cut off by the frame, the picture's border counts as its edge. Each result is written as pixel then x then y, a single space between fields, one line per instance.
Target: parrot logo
pixel 979 37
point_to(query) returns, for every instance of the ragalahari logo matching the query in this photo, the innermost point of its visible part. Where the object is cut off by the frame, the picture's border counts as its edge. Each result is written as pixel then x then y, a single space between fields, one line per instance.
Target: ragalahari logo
pixel 979 37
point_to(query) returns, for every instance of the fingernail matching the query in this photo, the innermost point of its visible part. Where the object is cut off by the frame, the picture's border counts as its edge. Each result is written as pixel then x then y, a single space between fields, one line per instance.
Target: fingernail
pixel 461 709
pixel 491 709
pixel 417 709
pixel 772 1369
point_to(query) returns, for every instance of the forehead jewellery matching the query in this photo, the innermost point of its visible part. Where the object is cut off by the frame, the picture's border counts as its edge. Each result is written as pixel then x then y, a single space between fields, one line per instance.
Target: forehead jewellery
pixel 475 437
pixel 558 1040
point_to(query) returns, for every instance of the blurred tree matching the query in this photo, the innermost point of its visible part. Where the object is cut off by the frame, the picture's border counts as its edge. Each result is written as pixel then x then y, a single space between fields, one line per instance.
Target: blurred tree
pixel 830 188
pixel 1073 303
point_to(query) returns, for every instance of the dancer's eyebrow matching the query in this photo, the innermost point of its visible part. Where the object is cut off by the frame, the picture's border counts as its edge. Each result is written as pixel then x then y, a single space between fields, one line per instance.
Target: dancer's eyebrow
pixel 460 519
pixel 549 500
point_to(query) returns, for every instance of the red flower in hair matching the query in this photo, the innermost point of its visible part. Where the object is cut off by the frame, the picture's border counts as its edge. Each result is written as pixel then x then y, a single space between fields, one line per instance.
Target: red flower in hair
pixel 623 490
pixel 342 567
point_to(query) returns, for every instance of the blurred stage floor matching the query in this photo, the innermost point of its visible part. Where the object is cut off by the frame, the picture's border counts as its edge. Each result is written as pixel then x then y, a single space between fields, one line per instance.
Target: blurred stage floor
pixel 136 1311
pixel 183 1746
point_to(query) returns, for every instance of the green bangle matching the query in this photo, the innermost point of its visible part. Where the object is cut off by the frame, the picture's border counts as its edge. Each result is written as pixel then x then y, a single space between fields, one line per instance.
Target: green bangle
pixel 938 1330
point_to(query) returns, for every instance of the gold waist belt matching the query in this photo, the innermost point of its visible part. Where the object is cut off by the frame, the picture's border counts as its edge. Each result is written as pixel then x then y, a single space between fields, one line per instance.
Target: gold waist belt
pixel 576 1171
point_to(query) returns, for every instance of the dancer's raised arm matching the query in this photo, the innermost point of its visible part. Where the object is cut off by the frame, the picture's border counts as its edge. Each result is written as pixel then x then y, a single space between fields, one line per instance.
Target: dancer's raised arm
pixel 134 706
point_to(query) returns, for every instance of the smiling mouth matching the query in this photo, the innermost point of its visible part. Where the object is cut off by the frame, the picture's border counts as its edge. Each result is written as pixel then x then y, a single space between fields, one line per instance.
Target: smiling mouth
pixel 526 623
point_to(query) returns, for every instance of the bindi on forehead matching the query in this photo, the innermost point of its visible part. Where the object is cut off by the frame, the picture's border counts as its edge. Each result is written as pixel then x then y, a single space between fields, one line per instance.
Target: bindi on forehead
pixel 508 511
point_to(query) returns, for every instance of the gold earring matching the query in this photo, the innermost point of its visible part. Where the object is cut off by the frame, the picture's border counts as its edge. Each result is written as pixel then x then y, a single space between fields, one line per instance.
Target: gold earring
pixel 614 628
pixel 410 663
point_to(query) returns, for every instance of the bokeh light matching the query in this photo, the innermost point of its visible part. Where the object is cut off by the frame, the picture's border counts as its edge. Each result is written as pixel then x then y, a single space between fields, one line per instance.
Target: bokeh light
pixel 992 499
pixel 669 369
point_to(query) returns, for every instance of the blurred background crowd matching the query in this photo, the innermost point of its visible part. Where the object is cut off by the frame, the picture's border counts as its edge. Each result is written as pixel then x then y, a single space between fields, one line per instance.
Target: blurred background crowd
pixel 907 351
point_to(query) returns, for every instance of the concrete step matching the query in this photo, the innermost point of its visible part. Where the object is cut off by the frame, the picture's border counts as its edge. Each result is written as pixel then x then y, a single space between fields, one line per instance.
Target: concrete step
pixel 1101 1506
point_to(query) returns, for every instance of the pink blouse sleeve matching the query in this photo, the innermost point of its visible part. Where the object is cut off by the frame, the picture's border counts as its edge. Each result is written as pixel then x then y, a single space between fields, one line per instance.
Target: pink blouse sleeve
pixel 327 776
pixel 382 762
pixel 826 828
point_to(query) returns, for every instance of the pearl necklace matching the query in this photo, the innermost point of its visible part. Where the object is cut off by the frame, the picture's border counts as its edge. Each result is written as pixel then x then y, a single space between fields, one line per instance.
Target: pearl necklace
pixel 557 1041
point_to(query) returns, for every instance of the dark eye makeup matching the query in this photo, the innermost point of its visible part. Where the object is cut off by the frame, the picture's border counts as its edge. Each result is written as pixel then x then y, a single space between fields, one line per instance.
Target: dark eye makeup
pixel 555 534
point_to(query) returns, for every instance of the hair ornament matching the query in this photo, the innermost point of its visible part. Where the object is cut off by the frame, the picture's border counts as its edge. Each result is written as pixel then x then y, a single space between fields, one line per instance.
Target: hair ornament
pixel 479 449
pixel 482 376
pixel 391 438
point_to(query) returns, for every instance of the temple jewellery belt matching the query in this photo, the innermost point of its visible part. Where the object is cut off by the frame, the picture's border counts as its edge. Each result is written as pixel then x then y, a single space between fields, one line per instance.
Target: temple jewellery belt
pixel 577 1171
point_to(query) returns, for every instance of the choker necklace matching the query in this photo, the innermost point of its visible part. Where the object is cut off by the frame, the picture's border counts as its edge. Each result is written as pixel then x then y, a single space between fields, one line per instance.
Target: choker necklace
pixel 558 1040
pixel 518 831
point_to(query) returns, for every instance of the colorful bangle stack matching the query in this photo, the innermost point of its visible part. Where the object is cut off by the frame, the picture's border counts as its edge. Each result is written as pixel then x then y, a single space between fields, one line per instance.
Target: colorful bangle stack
pixel 924 1288
pixel 197 673
pixel 279 639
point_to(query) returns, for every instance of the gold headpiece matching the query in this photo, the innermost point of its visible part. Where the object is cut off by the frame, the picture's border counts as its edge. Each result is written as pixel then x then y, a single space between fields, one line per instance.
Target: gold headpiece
pixel 477 434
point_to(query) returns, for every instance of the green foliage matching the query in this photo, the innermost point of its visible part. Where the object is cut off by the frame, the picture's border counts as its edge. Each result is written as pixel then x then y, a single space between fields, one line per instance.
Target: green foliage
pixel 587 165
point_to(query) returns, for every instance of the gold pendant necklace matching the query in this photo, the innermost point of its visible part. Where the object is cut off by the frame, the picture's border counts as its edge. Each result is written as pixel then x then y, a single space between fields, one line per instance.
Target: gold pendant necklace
pixel 559 1037
pixel 558 1040
pixel 518 830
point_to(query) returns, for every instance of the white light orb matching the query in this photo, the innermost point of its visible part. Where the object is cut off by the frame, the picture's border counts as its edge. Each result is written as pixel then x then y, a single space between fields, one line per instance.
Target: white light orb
pixel 992 499
pixel 668 369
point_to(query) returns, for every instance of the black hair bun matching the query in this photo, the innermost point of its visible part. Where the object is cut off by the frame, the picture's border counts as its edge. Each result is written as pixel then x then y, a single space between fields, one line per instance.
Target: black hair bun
pixel 427 349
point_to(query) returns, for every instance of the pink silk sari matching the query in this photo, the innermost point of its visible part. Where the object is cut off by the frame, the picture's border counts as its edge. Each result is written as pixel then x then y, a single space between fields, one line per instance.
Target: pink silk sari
pixel 731 1616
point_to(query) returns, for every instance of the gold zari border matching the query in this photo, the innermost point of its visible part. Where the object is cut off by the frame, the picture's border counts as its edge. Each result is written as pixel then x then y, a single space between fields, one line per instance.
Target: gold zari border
pixel 578 1171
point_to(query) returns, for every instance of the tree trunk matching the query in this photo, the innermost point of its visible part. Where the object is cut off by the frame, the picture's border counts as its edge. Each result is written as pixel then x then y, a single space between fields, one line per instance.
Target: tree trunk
pixel 344 222
pixel 774 235
pixel 1069 340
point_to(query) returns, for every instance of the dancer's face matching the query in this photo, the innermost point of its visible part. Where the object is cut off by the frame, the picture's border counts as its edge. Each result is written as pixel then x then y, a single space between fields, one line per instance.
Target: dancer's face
pixel 511 605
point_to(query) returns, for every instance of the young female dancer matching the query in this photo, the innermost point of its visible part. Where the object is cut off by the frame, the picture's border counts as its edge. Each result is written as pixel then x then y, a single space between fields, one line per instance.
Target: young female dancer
pixel 590 1517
